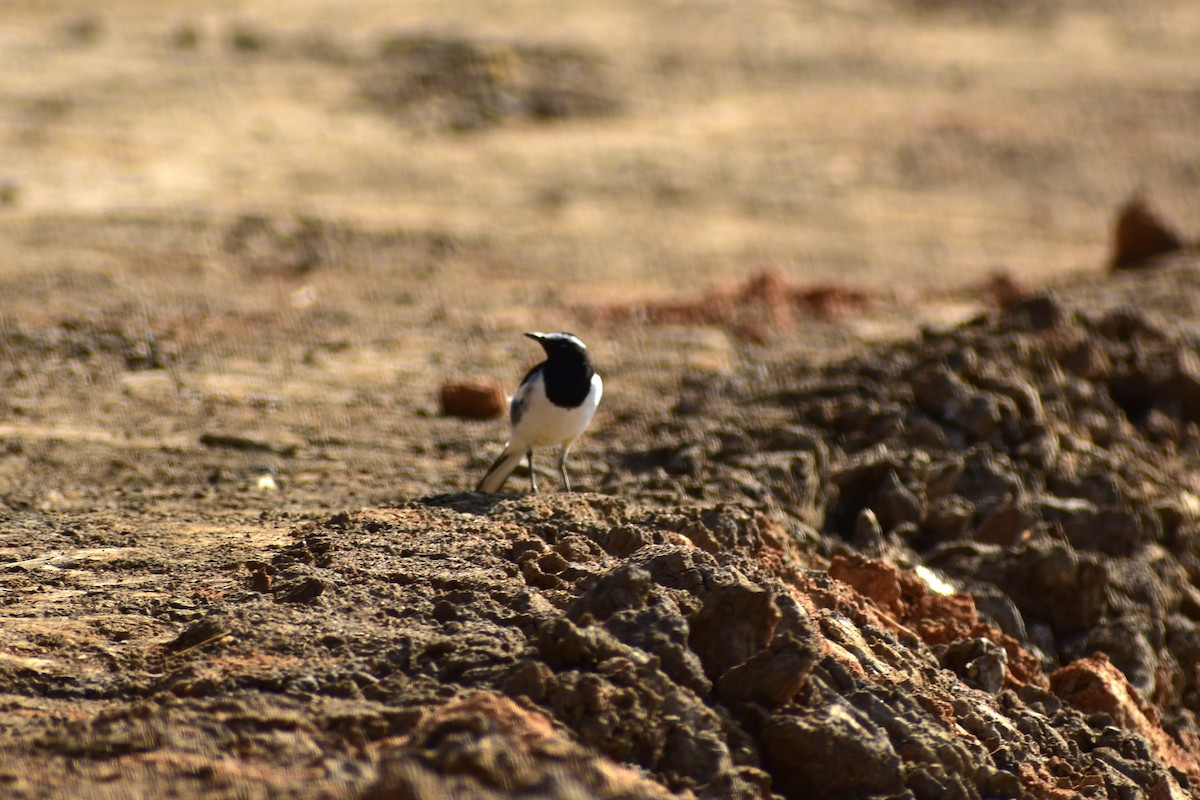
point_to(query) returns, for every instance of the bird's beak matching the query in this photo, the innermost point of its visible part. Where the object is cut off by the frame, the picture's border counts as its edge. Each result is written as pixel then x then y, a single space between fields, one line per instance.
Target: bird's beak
pixel 537 337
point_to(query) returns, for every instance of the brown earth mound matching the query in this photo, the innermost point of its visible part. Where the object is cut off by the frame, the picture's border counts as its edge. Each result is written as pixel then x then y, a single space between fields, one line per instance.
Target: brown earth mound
pixel 544 647
pixel 883 577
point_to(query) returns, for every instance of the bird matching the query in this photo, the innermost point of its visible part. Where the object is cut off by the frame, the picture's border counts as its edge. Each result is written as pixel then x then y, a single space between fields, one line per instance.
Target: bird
pixel 552 407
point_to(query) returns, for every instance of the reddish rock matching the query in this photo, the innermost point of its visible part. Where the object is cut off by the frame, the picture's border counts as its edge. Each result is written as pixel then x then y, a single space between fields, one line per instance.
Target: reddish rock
pixel 1140 235
pixel 936 619
pixel 1095 685
pixel 473 398
pixel 753 310
pixel 874 579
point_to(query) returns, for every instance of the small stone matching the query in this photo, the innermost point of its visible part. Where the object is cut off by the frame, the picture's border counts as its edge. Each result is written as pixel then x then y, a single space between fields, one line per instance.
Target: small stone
pixel 306 683
pixel 473 398
pixel 261 581
pixel 980 663
pixel 868 535
pixel 1139 235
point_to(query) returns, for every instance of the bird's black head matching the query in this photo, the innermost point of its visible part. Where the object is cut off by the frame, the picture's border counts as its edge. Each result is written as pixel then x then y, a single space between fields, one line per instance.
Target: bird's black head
pixel 561 346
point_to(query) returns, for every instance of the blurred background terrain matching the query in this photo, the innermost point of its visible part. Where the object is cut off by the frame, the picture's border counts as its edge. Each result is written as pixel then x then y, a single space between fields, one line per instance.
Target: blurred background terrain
pixel 320 201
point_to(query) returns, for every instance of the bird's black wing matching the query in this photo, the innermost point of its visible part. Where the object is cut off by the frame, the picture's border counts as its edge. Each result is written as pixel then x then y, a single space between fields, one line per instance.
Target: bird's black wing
pixel 516 408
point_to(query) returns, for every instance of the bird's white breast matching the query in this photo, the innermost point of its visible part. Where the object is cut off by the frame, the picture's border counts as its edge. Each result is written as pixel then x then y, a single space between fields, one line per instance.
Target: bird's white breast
pixel 544 424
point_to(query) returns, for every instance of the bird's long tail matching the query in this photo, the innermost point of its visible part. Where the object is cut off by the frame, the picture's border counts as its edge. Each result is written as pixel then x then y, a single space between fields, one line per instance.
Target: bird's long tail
pixel 504 466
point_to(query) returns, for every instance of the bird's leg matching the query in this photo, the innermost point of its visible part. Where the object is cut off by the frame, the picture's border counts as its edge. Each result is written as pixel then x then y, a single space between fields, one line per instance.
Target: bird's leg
pixel 562 468
pixel 532 474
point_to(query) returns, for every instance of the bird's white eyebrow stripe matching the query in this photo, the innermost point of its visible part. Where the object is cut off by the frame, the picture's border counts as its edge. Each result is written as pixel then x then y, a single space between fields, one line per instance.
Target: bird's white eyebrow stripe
pixel 568 337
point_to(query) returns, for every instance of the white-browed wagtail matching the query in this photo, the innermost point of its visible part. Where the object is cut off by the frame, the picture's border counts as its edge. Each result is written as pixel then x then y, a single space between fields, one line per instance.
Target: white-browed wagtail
pixel 552 407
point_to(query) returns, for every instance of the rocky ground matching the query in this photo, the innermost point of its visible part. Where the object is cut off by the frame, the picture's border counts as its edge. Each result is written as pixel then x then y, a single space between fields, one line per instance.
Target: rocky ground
pixel 956 565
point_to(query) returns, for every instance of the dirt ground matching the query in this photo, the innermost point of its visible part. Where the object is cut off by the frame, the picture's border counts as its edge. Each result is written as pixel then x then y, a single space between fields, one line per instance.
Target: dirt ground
pixel 829 543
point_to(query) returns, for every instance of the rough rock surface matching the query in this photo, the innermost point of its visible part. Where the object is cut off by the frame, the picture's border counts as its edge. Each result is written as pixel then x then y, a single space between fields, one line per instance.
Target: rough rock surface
pixel 1040 461
pixel 960 566
pixel 584 646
